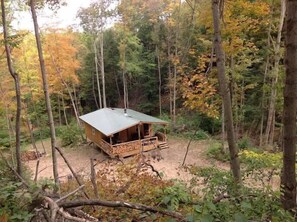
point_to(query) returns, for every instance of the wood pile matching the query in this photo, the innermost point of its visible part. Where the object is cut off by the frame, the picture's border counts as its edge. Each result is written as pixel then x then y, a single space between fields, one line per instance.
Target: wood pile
pixel 119 149
pixel 30 155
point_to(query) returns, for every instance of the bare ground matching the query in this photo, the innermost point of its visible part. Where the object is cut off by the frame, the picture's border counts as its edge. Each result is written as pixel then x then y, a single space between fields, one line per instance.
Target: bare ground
pixel 169 164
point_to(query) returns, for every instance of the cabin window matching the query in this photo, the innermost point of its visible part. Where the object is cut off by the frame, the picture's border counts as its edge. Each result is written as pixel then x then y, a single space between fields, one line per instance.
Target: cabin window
pixel 93 131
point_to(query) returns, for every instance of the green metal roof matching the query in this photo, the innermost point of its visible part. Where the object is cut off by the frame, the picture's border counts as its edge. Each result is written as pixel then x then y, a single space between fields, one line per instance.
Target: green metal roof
pixel 113 120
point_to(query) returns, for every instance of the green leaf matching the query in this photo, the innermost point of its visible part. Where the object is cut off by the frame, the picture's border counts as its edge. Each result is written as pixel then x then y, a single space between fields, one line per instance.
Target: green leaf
pixel 190 218
pixel 239 217
pixel 197 208
pixel 211 206
pixel 246 205
pixel 166 199
pixel 207 218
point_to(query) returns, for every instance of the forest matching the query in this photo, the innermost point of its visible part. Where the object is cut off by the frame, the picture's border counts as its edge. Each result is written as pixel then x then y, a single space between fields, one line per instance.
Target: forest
pixel 222 73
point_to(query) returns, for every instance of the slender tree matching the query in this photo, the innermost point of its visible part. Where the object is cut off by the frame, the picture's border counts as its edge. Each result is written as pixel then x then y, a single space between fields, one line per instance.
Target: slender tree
pixel 16 79
pixel 101 44
pixel 225 93
pixel 45 90
pixel 288 178
pixel 275 74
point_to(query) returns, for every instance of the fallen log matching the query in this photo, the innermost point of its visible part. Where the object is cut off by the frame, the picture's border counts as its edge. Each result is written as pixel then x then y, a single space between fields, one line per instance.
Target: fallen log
pixel 120 204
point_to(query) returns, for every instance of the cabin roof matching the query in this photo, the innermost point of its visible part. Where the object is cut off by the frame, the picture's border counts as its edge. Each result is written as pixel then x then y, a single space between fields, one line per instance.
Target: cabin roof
pixel 113 120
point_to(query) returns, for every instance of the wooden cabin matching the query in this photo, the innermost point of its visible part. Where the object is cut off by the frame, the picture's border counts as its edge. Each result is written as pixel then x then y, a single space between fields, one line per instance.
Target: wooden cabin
pixel 123 132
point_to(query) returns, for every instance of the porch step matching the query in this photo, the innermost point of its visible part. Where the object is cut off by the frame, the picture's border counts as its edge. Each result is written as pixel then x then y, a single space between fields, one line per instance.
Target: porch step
pixel 163 145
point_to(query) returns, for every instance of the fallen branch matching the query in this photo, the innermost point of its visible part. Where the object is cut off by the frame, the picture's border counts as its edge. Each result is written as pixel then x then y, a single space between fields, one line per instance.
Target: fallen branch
pixel 93 178
pixel 71 169
pixel 220 197
pixel 120 204
pixel 82 214
pixel 36 170
pixel 71 193
pixel 153 169
pixel 55 209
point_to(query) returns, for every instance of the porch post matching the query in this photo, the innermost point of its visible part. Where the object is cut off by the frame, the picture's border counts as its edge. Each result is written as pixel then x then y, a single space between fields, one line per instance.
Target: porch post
pixel 138 129
pixel 110 140
pixel 139 138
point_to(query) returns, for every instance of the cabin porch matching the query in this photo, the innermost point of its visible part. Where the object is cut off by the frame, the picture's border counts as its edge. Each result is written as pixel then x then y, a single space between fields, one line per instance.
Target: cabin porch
pixel 129 148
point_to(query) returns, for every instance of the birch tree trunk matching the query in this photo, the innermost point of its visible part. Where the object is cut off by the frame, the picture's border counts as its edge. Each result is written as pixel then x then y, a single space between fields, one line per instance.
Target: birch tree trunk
pixel 72 99
pixel 97 75
pixel 225 93
pixel 267 65
pixel 64 110
pixel 160 80
pixel 102 68
pixel 15 76
pixel 275 73
pixel 288 177
pixel 46 93
pixel 93 91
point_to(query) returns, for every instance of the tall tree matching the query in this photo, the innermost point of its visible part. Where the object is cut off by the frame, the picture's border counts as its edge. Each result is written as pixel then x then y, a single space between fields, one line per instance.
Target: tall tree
pixel 224 90
pixel 288 178
pixel 16 79
pixel 275 75
pixel 45 90
pixel 94 19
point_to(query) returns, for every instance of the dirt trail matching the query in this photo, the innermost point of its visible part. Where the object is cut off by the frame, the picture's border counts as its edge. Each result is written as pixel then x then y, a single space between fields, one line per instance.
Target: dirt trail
pixel 169 165
pixel 173 157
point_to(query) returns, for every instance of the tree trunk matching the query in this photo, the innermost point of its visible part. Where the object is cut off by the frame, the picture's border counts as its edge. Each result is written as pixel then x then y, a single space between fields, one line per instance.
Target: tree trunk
pixel 76 99
pixel 93 178
pixel 15 76
pixel 28 122
pixel 288 178
pixel 93 90
pixel 174 93
pixel 169 77
pixel 160 80
pixel 275 73
pixel 97 75
pixel 234 160
pixel 102 68
pixel 223 129
pixel 267 64
pixel 46 93
pixel 125 91
pixel 59 110
pixel 64 110
pixel 262 99
pixel 75 109
pixel 117 85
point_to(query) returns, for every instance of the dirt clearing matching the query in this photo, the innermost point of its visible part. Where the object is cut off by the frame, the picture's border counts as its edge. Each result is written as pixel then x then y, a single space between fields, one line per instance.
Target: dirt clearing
pixel 169 163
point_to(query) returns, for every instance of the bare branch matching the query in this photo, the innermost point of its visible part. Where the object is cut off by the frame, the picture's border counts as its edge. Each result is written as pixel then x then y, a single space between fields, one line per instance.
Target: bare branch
pixel 71 193
pixel 55 209
pixel 121 204
pixel 153 169
pixel 71 169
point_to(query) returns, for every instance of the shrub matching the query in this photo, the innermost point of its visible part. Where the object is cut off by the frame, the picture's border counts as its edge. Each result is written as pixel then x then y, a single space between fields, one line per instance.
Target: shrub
pixel 173 196
pixel 244 142
pixel 70 135
pixel 14 198
pixel 217 152
pixel 239 205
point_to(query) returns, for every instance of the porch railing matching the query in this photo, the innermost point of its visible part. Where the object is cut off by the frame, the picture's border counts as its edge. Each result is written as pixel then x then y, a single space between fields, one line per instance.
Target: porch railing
pixel 128 147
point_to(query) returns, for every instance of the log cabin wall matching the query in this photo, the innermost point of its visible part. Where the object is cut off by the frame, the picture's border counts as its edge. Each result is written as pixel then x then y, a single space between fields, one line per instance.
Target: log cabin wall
pixel 93 134
pixel 123 136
